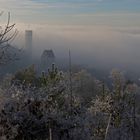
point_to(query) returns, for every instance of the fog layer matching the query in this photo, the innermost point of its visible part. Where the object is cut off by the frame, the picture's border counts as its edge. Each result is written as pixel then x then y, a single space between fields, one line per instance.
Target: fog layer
pixel 96 46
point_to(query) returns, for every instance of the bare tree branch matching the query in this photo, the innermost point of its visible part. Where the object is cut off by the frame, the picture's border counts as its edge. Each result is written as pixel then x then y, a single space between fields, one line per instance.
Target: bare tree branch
pixel 108 125
pixel 7 33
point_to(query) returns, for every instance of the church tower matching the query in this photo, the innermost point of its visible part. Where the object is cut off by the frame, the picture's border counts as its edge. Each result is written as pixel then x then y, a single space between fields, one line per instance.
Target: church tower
pixel 28 42
pixel 47 59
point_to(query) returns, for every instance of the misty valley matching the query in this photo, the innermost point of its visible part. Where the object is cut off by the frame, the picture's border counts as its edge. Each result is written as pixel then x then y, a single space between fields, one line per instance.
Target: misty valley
pixel 69 70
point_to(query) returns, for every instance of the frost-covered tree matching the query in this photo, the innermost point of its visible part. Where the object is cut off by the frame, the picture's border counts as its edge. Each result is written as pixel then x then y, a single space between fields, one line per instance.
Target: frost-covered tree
pixel 41 112
pixel 39 108
pixel 115 110
pixel 7 34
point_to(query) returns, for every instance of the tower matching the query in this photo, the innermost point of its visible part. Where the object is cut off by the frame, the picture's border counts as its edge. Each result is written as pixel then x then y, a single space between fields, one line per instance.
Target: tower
pixel 28 42
pixel 47 59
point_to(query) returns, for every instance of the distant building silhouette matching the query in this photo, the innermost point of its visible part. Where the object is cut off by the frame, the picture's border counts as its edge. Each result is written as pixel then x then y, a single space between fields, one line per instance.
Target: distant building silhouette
pixel 28 43
pixel 47 59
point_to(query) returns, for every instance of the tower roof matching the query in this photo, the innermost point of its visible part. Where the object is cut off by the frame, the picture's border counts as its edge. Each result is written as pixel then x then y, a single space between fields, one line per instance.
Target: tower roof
pixel 48 53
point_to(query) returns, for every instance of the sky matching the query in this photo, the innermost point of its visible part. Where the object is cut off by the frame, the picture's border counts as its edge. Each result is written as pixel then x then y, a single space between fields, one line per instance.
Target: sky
pixel 105 32
pixel 69 12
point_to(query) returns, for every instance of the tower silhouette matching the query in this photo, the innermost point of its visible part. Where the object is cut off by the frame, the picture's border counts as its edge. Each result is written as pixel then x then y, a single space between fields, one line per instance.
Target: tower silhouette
pixel 47 59
pixel 28 42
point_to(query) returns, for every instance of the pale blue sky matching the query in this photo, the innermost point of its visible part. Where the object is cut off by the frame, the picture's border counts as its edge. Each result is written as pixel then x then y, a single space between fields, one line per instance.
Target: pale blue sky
pixel 79 12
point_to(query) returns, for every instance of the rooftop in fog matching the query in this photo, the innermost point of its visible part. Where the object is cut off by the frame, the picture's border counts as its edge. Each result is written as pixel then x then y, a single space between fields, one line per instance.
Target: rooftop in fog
pixel 48 53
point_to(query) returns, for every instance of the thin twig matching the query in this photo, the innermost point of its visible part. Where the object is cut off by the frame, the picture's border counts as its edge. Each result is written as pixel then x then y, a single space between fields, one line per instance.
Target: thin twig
pixel 108 125
pixel 70 80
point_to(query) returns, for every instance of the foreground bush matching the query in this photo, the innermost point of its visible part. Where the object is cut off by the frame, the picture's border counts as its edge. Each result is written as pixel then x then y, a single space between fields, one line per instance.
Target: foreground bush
pixel 40 108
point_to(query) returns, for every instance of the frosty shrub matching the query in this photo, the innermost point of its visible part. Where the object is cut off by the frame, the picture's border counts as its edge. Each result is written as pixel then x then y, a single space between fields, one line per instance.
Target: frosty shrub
pixel 33 112
pixel 40 108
